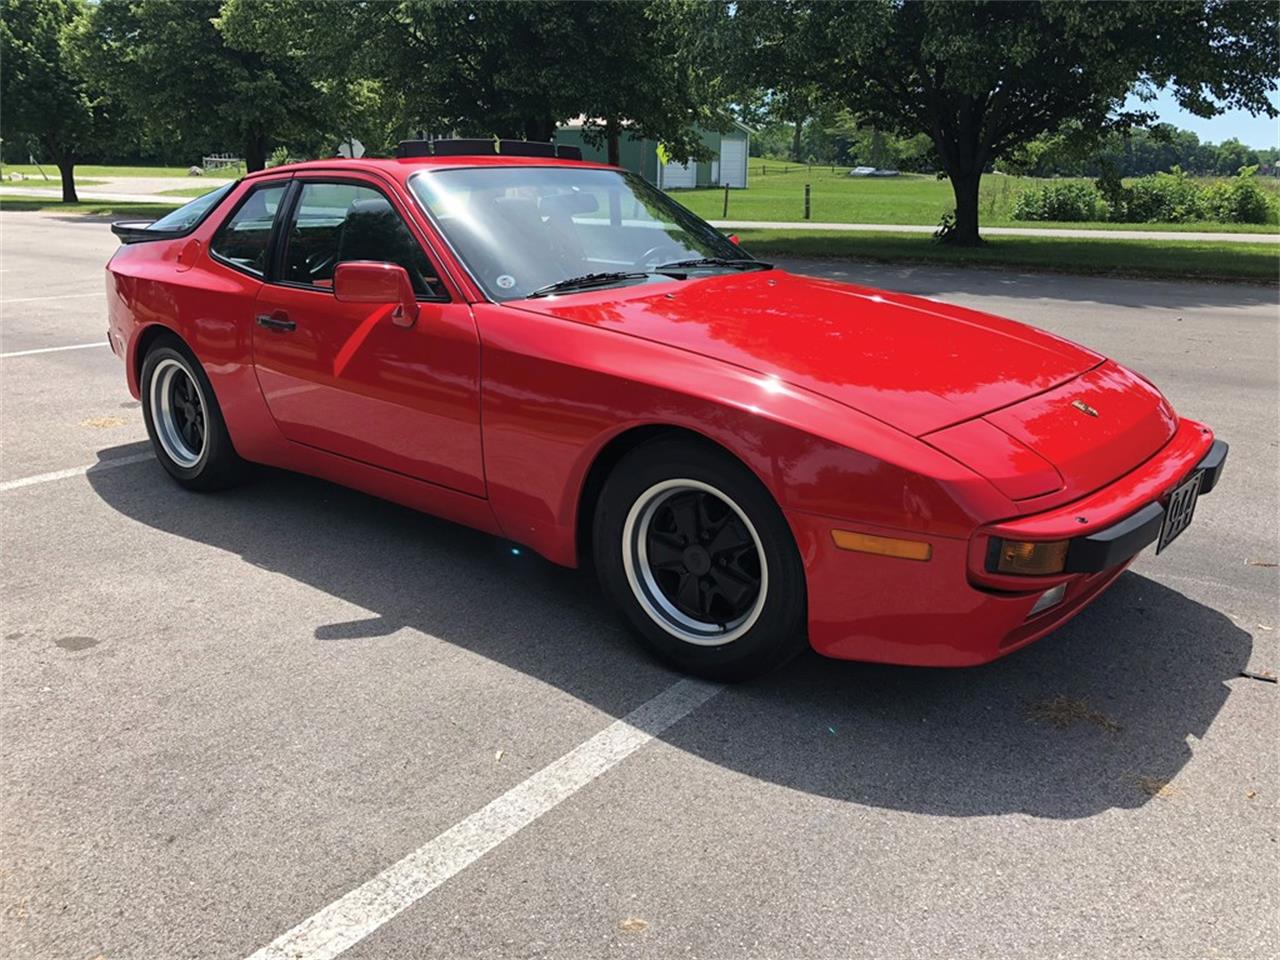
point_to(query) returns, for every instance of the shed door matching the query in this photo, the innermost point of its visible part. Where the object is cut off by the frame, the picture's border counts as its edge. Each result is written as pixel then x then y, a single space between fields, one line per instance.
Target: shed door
pixel 733 162
pixel 679 175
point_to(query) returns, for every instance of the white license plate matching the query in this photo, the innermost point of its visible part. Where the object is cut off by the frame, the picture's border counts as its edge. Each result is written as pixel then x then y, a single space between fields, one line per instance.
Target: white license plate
pixel 1181 508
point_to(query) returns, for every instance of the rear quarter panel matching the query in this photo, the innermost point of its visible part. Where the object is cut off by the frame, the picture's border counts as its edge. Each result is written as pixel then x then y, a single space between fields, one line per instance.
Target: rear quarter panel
pixel 174 285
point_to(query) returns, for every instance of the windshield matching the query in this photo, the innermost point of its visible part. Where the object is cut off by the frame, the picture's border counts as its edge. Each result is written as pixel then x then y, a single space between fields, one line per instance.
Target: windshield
pixel 522 229
pixel 189 214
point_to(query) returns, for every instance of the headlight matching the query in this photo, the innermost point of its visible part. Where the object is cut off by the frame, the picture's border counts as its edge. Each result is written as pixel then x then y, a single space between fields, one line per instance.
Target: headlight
pixel 1030 558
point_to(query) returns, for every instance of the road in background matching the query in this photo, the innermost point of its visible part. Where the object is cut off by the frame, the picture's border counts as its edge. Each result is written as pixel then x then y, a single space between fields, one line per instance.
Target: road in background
pixel 222 713
pixel 1071 232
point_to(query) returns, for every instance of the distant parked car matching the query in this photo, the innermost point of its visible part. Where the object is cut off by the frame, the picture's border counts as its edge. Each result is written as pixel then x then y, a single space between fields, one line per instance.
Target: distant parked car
pixel 556 352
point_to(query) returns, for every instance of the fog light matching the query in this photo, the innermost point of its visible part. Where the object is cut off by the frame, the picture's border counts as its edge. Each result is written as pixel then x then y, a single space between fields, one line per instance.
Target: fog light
pixel 1031 558
pixel 1050 598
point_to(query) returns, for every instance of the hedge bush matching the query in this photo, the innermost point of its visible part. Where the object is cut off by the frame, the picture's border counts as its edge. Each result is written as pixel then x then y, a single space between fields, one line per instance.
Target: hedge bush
pixel 1160 198
pixel 1066 201
pixel 1240 200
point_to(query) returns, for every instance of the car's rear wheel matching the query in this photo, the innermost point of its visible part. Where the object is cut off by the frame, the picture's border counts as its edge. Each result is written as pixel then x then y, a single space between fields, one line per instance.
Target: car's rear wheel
pixel 183 419
pixel 694 550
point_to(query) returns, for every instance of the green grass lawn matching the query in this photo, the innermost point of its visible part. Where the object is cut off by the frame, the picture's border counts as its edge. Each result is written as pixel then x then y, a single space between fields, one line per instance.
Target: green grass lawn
pixel 1173 259
pixel 91 170
pixel 189 192
pixel 778 195
pixel 10 202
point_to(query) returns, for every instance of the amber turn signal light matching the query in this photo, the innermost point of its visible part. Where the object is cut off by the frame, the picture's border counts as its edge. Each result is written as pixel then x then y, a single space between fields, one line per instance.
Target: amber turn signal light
pixel 1032 558
pixel 885 546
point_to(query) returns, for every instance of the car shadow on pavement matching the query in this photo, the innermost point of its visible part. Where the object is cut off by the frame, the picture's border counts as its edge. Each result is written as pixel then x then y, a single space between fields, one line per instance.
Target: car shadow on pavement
pixel 1096 716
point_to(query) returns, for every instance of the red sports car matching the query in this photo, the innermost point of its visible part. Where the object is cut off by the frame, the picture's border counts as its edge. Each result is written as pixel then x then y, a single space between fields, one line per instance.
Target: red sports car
pixel 558 353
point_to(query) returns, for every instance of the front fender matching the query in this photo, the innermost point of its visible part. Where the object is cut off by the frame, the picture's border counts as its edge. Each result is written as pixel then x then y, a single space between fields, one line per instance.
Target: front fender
pixel 555 392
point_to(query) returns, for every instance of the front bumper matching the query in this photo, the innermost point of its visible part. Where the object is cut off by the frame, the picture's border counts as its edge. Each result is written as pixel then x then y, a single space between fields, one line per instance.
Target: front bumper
pixel 1123 541
pixel 951 611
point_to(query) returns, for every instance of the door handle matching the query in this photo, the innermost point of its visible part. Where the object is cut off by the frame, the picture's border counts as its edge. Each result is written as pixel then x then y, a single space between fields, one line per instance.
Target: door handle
pixel 276 321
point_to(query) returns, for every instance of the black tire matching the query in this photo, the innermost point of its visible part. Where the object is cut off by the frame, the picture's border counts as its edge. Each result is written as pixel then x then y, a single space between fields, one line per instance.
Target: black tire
pixel 680 610
pixel 174 385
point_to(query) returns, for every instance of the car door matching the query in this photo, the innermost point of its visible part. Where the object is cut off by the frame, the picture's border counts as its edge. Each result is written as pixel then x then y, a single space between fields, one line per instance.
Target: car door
pixel 342 377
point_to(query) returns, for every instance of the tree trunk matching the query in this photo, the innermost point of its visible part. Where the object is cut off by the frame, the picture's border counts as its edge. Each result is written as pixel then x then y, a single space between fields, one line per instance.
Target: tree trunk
pixel 67 169
pixel 795 139
pixel 613 136
pixel 965 187
pixel 255 153
pixel 877 149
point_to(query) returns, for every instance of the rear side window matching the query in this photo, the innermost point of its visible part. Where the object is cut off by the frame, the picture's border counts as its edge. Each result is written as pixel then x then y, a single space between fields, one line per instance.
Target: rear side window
pixel 336 222
pixel 189 214
pixel 242 242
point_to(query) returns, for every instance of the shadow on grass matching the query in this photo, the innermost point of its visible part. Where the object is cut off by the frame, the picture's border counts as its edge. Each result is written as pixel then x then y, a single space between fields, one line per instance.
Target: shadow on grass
pixel 1067 728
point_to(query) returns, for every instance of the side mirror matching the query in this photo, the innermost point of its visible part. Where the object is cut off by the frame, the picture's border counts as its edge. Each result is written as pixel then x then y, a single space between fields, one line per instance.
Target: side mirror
pixel 367 281
pixel 733 238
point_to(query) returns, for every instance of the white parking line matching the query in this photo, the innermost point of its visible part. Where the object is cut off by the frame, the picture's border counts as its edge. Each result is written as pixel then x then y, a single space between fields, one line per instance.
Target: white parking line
pixel 354 916
pixel 59 296
pixel 99 467
pixel 74 346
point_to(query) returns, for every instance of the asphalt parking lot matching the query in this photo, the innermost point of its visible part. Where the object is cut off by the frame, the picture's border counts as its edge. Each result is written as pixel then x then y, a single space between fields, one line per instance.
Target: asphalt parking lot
pixel 224 714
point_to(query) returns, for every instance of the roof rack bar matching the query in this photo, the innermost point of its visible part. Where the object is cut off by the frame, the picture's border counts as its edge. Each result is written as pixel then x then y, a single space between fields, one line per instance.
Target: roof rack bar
pixel 413 148
pixel 526 148
pixel 471 147
pixel 462 147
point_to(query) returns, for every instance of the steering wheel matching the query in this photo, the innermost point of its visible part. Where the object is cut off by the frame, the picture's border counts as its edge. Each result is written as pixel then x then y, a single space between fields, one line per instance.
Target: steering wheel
pixel 650 257
pixel 321 264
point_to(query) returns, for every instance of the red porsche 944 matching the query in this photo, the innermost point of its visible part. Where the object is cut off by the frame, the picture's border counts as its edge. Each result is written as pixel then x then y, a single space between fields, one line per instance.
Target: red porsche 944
pixel 558 353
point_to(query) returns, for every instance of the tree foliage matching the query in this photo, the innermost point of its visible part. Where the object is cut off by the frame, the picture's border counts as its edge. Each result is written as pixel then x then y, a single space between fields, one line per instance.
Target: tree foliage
pixel 1134 153
pixel 500 68
pixel 174 67
pixel 984 78
pixel 662 73
pixel 46 96
pixel 775 57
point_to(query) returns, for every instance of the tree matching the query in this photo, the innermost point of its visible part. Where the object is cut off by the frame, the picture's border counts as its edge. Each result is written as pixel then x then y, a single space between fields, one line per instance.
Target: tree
pixel 1232 155
pixel 352 59
pixel 1074 152
pixel 45 95
pixel 777 54
pixel 483 69
pixel 983 78
pixel 173 66
pixel 662 79
pixel 504 68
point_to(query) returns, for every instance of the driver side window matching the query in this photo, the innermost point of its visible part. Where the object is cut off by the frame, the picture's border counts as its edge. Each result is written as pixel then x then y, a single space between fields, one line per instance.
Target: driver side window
pixel 336 222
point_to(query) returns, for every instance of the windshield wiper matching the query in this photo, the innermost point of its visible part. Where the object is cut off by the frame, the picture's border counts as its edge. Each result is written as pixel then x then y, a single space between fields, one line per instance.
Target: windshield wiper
pixel 585 281
pixel 740 263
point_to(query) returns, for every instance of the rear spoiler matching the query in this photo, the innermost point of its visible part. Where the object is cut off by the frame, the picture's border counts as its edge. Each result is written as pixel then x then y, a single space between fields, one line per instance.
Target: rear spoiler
pixel 139 231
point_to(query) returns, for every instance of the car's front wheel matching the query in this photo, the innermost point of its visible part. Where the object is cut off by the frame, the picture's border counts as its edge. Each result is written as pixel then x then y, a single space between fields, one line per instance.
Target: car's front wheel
pixel 183 419
pixel 697 554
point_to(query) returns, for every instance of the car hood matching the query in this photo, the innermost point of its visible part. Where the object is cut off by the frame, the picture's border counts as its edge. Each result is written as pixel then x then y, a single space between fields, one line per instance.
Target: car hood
pixel 915 364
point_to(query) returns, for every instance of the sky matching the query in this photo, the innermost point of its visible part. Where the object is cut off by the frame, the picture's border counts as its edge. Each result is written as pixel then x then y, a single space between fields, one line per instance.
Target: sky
pixel 1257 132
